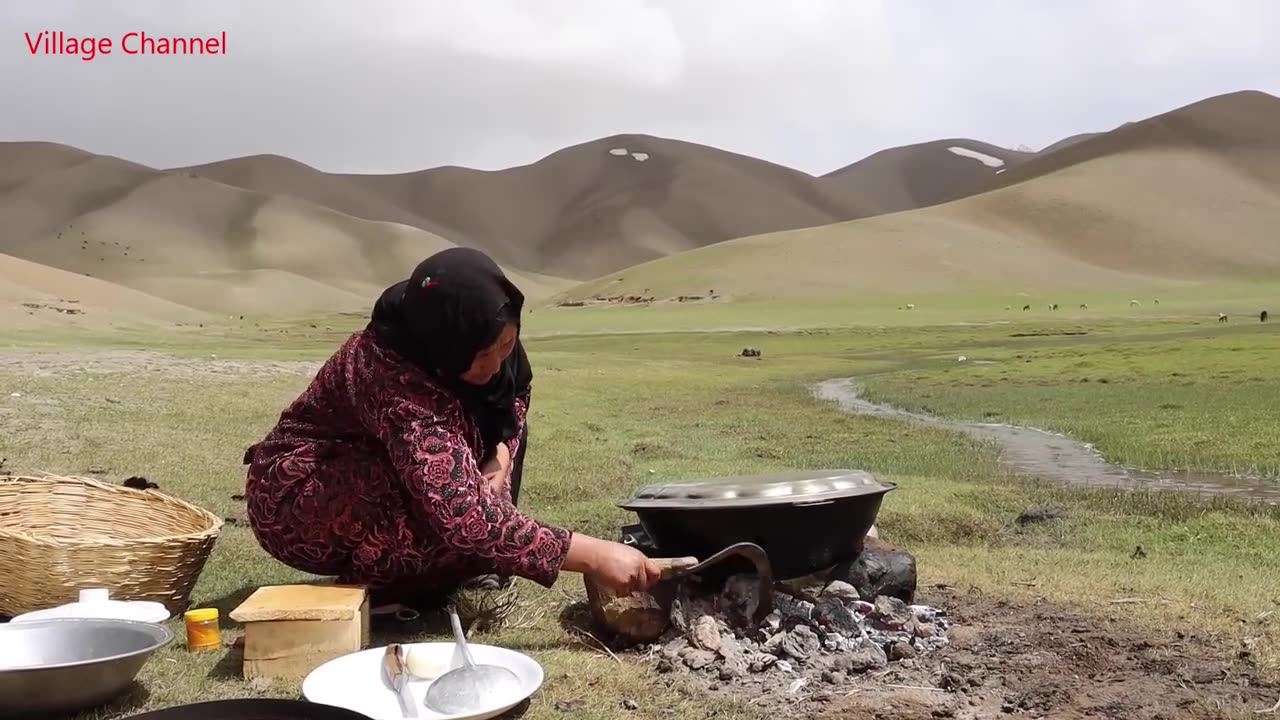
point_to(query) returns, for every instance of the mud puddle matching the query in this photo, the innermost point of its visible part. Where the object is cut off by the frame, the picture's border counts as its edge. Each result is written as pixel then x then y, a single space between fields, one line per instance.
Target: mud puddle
pixel 1052 456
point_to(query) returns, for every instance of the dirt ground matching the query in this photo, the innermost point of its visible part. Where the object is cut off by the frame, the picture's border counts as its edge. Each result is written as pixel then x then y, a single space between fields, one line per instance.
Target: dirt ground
pixel 1040 661
pixel 99 362
pixel 1010 660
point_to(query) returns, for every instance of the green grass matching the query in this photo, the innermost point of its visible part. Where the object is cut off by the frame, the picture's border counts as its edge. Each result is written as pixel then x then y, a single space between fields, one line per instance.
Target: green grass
pixel 1240 299
pixel 614 412
pixel 1201 399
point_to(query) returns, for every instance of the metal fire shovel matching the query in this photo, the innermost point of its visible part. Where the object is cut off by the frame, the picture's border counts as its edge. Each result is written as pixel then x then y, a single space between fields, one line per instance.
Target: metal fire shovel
pixel 673 568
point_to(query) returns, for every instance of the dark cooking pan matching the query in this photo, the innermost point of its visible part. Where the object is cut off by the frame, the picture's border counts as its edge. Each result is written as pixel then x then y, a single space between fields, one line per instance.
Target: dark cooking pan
pixel 259 709
pixel 805 521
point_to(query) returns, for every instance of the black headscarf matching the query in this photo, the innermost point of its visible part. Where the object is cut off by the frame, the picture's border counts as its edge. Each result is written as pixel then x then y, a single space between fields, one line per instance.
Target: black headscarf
pixel 453 306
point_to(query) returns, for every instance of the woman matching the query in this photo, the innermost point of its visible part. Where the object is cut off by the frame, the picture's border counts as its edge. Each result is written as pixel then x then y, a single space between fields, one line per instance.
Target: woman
pixel 394 469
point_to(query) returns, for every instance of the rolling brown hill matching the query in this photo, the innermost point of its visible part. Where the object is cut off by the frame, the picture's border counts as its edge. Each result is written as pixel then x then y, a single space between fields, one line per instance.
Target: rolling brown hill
pixel 916 176
pixel 1185 194
pixel 34 295
pixel 191 241
pixel 610 203
pixel 1069 141
pixel 614 202
pixel 1192 194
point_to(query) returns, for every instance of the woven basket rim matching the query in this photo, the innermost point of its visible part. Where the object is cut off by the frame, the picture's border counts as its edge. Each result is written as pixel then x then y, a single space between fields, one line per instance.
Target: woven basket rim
pixel 215 523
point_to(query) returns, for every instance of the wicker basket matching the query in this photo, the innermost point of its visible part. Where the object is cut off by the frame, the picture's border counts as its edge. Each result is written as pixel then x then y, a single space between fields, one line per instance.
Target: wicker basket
pixel 60 534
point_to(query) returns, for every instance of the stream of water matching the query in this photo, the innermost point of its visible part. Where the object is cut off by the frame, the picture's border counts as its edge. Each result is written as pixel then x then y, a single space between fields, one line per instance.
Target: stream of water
pixel 1052 456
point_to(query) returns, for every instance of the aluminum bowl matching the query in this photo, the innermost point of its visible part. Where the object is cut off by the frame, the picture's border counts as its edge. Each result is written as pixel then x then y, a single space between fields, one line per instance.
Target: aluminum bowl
pixel 72 664
pixel 259 709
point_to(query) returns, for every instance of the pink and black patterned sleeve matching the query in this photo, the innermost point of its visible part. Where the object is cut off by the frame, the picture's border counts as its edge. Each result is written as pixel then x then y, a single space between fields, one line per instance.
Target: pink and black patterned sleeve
pixel 522 411
pixel 422 432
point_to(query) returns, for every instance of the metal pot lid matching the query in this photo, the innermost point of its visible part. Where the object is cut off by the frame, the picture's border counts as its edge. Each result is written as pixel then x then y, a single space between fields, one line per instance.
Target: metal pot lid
pixel 791 488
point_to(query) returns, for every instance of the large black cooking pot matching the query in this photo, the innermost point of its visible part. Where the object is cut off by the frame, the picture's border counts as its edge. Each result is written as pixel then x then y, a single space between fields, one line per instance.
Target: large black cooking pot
pixel 259 709
pixel 805 521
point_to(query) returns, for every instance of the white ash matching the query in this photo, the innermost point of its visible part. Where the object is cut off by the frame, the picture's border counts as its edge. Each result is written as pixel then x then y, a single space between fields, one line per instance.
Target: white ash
pixel 822 635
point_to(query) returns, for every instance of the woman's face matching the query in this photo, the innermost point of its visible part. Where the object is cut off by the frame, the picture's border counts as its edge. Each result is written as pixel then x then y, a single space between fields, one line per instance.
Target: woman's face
pixel 489 360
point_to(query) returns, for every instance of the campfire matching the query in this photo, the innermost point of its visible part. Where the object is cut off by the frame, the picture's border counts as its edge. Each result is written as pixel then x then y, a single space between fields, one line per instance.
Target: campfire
pixel 738 627
pixel 816 609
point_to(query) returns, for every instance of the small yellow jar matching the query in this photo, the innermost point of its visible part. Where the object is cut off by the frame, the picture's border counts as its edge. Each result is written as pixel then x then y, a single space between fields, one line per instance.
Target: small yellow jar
pixel 203 633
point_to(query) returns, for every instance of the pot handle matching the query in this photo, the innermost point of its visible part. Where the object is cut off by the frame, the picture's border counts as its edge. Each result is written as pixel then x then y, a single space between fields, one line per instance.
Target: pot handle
pixel 675 567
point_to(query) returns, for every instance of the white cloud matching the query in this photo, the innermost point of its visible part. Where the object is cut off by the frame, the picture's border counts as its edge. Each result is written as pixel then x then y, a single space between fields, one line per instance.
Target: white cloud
pixel 386 85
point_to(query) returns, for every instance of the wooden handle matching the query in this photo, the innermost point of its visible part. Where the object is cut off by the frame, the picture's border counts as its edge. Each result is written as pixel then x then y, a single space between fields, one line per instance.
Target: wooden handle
pixel 674 567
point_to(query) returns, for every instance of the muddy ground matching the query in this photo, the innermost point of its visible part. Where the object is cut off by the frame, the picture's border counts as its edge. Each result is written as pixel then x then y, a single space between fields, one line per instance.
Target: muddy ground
pixel 1009 660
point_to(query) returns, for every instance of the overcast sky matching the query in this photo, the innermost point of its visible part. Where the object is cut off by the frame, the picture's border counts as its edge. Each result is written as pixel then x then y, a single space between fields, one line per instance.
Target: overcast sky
pixel 395 85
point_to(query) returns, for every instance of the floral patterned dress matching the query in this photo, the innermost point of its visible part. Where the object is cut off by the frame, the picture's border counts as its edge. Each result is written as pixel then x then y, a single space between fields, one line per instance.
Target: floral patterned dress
pixel 372 476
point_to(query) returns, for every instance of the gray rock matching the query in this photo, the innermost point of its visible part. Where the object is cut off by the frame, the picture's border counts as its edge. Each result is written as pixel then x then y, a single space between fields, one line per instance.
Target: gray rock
pixel 881 569
pixel 900 651
pixel 674 648
pixel 698 659
pixel 794 609
pixel 773 645
pixel 843 591
pixel 868 656
pixel 761 662
pixel 773 620
pixel 836 643
pixel 833 613
pixel 735 663
pixel 892 613
pixel 704 633
pixel 801 643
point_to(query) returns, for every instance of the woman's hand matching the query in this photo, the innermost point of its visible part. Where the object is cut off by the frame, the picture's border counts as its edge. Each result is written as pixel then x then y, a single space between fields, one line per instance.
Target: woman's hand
pixel 497 472
pixel 620 568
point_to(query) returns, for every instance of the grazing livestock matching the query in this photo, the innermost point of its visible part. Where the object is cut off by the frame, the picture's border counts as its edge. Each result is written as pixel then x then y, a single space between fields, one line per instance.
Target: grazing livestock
pixel 911 306
pixel 1222 317
pixel 1083 306
pixel 1262 316
pixel 1053 306
pixel 1133 303
pixel 1026 307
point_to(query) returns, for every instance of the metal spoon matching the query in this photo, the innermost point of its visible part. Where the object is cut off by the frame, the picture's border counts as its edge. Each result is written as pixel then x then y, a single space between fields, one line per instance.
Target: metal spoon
pixel 397 674
pixel 472 687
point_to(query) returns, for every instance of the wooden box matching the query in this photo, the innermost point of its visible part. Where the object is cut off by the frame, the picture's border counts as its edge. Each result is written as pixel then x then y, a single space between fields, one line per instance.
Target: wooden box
pixel 290 630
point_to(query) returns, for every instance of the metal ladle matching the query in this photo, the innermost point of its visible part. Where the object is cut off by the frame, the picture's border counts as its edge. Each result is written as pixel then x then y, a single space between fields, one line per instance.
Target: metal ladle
pixel 470 688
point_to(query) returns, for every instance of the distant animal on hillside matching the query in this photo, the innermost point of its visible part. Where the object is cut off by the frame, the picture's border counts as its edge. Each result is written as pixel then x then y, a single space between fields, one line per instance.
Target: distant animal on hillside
pixel 911 306
pixel 1053 306
pixel 1222 317
pixel 1262 316
pixel 1133 303
pixel 1083 306
pixel 1008 307
pixel 1157 301
pixel 1026 307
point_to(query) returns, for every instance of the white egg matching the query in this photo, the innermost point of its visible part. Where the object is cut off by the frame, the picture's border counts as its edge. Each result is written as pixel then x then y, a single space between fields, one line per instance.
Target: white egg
pixel 423 666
